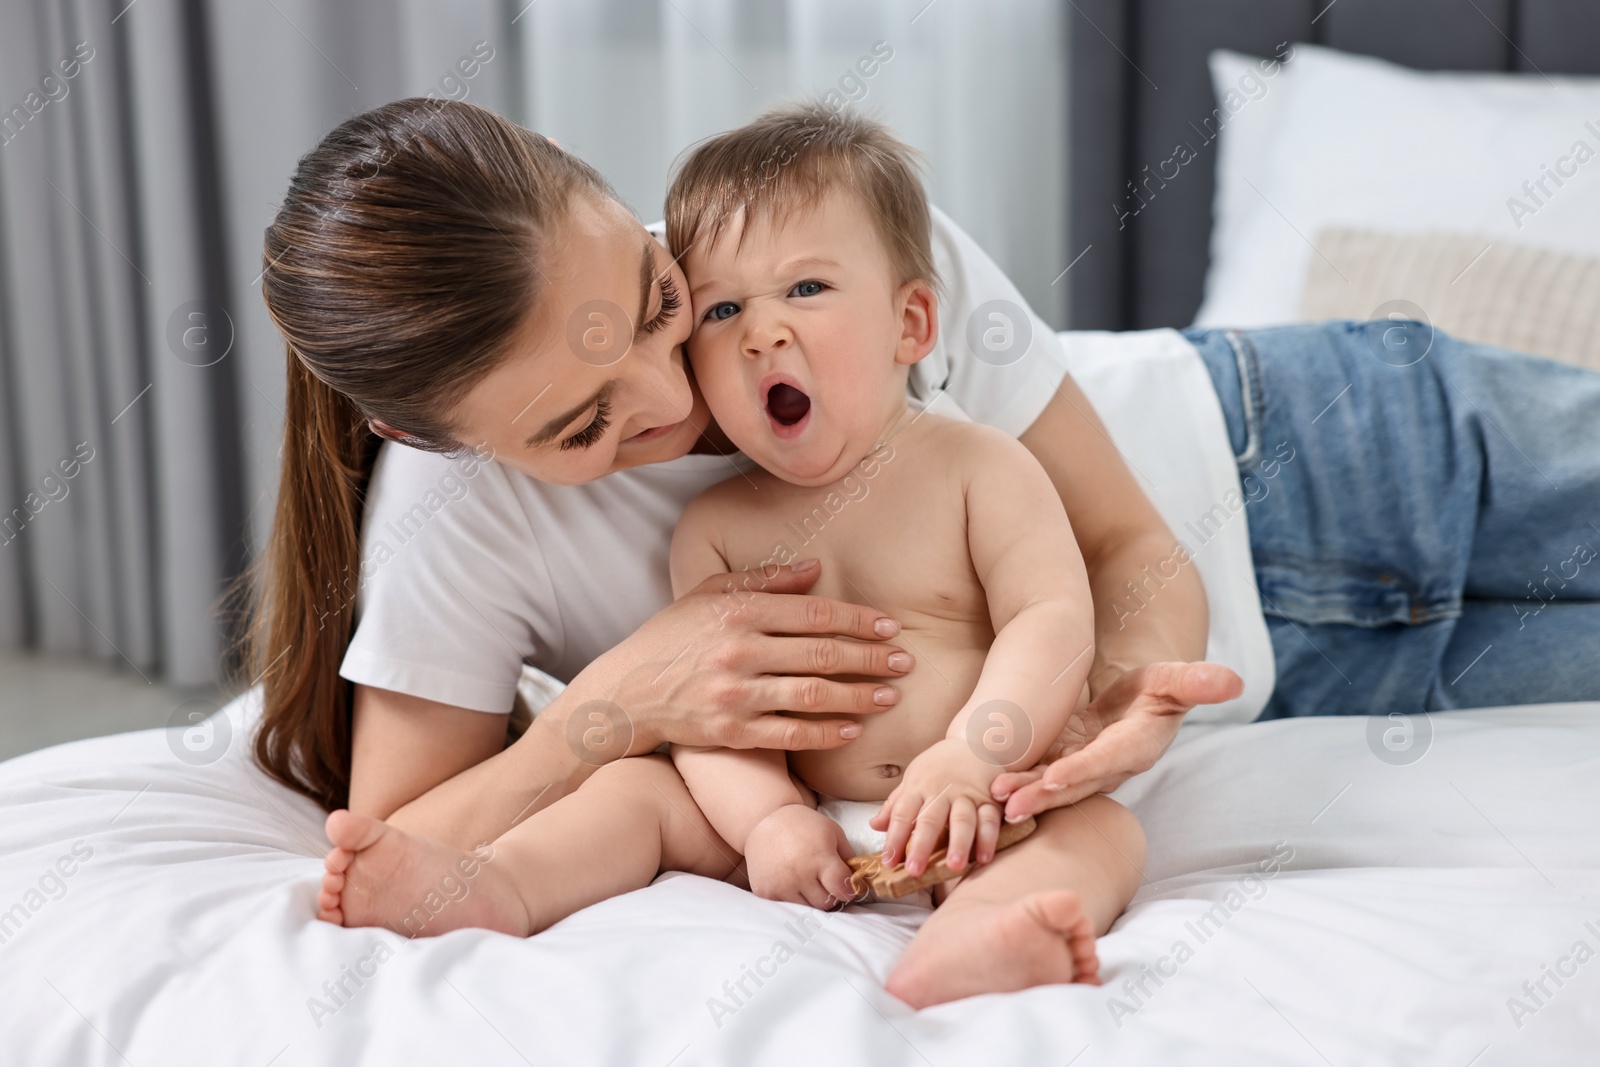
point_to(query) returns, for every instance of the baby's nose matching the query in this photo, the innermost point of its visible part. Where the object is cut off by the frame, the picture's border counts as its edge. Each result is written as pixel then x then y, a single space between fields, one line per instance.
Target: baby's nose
pixel 766 338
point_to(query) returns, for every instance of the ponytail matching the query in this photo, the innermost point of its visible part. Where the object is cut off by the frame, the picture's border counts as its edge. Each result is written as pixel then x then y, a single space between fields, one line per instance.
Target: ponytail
pixel 306 606
pixel 397 270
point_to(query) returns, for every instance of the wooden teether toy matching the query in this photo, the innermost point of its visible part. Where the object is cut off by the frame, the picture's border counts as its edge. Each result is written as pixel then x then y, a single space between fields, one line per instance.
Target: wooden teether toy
pixel 894 882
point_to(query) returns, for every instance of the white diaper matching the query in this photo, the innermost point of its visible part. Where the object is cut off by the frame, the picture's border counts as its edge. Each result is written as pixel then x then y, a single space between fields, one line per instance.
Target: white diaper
pixel 852 817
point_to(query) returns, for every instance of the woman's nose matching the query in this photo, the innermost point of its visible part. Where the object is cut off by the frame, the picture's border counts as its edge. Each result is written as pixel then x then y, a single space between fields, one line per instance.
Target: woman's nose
pixel 656 377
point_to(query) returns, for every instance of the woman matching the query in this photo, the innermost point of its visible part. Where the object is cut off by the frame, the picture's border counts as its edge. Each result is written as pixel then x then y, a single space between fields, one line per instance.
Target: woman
pixel 445 280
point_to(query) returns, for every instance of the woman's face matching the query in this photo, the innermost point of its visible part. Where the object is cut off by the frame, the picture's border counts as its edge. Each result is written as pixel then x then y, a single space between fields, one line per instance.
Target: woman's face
pixel 595 380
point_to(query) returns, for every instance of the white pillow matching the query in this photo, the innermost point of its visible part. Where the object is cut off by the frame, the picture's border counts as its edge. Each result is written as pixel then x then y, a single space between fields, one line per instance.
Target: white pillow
pixel 1260 89
pixel 1358 142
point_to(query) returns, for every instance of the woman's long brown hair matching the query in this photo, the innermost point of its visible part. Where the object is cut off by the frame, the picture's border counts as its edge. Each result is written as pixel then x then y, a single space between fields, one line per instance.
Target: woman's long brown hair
pixel 401 261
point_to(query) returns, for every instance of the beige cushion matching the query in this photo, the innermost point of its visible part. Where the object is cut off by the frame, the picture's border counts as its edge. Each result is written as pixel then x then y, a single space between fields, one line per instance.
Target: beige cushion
pixel 1526 299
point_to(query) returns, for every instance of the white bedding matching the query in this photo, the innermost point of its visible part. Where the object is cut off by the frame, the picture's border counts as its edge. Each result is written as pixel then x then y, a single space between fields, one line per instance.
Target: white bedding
pixel 1417 901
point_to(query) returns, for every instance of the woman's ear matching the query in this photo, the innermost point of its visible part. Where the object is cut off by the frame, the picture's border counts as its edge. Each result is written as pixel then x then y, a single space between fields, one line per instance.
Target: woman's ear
pixel 389 433
pixel 919 322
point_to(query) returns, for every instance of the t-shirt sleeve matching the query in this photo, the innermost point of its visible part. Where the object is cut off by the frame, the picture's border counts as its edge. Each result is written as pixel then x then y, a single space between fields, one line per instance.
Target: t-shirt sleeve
pixel 453 595
pixel 997 359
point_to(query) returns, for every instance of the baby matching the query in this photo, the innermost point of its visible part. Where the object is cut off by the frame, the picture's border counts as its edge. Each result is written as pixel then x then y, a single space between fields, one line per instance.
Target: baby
pixel 805 238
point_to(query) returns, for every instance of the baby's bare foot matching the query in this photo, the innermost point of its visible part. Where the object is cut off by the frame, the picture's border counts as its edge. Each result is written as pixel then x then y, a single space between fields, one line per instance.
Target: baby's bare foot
pixel 380 876
pixel 972 947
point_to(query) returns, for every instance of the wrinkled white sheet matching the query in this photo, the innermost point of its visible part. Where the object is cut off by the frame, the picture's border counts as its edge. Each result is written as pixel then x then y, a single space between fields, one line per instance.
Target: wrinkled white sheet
pixel 1409 906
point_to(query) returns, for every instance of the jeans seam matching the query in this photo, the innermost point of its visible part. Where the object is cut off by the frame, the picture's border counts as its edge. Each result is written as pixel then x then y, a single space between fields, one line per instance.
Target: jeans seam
pixel 1250 394
pixel 1334 618
pixel 1331 607
pixel 1350 568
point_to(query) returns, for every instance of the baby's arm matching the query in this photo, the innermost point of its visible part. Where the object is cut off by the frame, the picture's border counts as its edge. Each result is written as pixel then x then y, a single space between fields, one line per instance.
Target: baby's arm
pixel 1033 575
pixel 1027 558
pixel 792 852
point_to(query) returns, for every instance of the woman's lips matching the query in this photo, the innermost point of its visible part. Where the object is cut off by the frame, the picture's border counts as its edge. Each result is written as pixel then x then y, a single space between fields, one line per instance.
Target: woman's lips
pixel 653 433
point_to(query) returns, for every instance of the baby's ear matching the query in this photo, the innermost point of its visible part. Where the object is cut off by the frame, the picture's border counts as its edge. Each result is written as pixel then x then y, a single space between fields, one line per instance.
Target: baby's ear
pixel 919 322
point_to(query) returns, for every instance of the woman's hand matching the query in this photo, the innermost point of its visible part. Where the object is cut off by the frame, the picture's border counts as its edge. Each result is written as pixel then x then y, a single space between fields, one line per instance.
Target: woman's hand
pixel 718 665
pixel 1121 733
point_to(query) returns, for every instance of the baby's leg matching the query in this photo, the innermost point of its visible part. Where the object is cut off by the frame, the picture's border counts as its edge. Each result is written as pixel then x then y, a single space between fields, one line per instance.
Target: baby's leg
pixel 628 822
pixel 1031 916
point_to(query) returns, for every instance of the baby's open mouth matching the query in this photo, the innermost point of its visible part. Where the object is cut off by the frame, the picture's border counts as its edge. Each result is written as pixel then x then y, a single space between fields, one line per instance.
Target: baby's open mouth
pixel 786 404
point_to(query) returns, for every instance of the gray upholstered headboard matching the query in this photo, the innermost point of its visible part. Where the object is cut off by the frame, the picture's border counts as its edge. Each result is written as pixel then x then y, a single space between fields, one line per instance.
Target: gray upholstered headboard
pixel 1138 80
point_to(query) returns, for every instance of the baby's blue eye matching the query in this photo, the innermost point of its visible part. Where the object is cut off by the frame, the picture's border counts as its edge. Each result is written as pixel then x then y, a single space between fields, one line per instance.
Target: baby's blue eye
pixel 725 310
pixel 810 288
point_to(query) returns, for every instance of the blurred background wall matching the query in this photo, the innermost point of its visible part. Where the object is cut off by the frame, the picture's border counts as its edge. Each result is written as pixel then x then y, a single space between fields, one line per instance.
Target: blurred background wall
pixel 144 145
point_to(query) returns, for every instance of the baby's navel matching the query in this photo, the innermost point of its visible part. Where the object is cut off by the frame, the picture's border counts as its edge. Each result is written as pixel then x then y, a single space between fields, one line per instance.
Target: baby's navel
pixel 889 770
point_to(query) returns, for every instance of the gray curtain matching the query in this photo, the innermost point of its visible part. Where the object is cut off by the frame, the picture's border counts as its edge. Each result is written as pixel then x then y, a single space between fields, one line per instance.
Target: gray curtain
pixel 145 144
pixel 140 379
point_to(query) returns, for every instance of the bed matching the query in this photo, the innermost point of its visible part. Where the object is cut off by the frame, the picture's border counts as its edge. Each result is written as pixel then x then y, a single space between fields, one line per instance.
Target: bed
pixel 1316 893
pixel 1386 890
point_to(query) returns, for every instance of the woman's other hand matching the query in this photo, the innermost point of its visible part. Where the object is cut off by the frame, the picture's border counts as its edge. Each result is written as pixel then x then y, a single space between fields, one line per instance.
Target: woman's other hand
pixel 1120 733
pixel 718 665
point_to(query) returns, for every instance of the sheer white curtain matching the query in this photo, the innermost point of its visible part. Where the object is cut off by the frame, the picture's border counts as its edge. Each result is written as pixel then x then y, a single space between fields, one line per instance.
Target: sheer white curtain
pixel 977 86
pixel 133 196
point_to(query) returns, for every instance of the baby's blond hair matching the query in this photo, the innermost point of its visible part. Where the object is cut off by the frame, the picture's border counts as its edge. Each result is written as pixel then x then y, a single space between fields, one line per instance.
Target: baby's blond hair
pixel 787 160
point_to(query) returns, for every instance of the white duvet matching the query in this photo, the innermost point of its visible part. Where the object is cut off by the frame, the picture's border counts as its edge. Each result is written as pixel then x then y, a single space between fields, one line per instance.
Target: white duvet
pixel 1307 903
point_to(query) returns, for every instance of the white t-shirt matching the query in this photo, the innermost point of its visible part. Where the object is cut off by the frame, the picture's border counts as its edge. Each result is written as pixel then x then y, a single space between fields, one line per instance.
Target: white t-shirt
pixel 471 569
pixel 1156 397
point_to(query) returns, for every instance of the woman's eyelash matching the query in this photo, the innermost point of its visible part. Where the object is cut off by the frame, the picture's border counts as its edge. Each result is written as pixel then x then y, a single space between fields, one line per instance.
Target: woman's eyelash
pixel 592 432
pixel 671 301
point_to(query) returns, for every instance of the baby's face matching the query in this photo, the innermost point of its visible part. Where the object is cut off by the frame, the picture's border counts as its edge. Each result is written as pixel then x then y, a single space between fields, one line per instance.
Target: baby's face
pixel 802 337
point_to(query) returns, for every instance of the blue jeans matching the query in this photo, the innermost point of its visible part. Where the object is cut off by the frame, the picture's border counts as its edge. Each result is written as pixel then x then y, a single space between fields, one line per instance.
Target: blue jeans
pixel 1424 515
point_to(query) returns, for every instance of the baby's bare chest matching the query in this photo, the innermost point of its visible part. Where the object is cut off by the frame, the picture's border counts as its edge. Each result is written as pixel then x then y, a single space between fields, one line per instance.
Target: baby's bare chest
pixel 898 544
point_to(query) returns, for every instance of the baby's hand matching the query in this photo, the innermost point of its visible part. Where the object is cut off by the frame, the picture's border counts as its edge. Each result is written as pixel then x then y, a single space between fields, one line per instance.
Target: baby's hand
pixel 946 785
pixel 798 855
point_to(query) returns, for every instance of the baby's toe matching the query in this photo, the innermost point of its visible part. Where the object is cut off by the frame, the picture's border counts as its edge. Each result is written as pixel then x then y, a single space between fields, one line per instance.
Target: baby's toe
pixel 350 831
pixel 329 908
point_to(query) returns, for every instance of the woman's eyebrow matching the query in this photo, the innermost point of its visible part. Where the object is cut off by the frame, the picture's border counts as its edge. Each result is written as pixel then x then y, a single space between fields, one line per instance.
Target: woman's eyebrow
pixel 552 429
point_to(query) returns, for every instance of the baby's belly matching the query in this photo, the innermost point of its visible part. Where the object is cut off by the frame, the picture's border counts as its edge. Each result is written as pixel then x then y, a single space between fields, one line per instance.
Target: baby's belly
pixel 870 767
